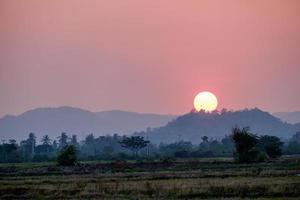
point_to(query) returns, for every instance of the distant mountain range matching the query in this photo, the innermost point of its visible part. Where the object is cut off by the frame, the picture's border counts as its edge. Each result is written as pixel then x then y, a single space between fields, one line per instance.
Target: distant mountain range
pixel 290 117
pixel 192 126
pixel 53 121
pixel 164 128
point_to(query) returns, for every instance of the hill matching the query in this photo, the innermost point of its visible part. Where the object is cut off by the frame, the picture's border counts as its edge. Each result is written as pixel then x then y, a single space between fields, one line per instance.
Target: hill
pixel 193 126
pixel 53 121
pixel 290 117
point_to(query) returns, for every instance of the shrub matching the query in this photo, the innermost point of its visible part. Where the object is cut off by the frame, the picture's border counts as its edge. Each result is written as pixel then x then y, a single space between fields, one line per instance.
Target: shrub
pixel 245 145
pixel 182 154
pixel 261 157
pixel 271 145
pixel 67 156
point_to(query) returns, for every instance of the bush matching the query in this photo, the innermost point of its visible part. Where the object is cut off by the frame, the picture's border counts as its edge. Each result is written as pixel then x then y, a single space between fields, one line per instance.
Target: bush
pixel 261 157
pixel 271 145
pixel 245 144
pixel 182 154
pixel 67 156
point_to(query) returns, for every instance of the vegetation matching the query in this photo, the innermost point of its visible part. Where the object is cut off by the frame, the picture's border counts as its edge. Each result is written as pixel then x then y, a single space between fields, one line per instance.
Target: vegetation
pixel 271 145
pixel 215 178
pixel 241 144
pixel 120 167
pixel 252 148
pixel 134 143
pixel 194 125
pixel 67 156
pixel 245 144
pixel 293 146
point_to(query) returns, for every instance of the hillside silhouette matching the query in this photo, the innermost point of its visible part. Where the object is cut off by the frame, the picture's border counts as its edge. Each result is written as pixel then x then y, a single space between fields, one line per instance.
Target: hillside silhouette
pixel 194 125
pixel 290 117
pixel 53 121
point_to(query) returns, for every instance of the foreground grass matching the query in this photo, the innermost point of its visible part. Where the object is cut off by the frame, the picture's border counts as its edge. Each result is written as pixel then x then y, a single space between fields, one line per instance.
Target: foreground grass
pixel 179 180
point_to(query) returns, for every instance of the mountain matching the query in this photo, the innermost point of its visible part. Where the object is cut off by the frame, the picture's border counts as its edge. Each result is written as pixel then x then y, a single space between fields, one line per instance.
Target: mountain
pixel 290 117
pixel 192 126
pixel 297 126
pixel 53 121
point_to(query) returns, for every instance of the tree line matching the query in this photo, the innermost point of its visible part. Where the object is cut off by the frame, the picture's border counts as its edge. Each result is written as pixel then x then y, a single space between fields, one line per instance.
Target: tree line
pixel 241 144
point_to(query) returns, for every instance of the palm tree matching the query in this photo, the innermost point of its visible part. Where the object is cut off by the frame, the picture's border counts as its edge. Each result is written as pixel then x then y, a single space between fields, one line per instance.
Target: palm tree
pixel 63 140
pixel 12 141
pixel 46 140
pixel 205 139
pixel 74 140
pixel 31 142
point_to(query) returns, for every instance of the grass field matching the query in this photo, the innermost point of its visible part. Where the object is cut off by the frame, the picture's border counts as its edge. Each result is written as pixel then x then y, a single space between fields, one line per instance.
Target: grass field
pixel 185 179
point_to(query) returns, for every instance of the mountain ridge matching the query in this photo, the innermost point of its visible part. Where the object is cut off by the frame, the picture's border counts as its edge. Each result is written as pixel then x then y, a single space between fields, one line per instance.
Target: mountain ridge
pixel 72 120
pixel 290 117
pixel 54 120
pixel 192 126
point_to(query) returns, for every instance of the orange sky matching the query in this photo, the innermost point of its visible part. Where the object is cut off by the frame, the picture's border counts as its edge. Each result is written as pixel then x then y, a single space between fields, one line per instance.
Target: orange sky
pixel 149 56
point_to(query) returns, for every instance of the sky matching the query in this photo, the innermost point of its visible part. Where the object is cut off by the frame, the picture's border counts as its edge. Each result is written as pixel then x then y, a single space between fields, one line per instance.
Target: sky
pixel 149 56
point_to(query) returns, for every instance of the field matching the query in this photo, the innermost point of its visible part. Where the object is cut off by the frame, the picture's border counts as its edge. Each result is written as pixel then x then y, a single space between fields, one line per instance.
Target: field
pixel 183 179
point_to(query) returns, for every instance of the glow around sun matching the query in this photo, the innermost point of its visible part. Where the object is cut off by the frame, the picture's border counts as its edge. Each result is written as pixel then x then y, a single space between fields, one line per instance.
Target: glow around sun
pixel 206 101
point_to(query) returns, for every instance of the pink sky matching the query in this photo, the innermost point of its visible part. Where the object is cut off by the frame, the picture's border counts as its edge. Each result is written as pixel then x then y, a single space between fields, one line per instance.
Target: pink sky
pixel 149 56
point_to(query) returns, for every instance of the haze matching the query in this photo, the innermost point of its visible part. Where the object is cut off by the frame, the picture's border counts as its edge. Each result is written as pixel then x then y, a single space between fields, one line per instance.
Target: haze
pixel 149 56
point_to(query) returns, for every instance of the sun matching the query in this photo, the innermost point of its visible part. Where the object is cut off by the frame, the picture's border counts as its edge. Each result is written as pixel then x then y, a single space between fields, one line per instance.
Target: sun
pixel 206 101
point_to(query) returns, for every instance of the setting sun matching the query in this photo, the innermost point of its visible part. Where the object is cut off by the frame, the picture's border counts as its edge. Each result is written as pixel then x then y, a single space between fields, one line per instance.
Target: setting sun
pixel 206 101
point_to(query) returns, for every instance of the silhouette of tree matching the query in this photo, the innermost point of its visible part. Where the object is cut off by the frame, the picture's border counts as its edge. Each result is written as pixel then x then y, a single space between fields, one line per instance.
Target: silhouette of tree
pixel 12 141
pixel 67 156
pixel 63 140
pixel 46 140
pixel 296 137
pixel 54 145
pixel 245 143
pixel 134 143
pixel 90 145
pixel 30 142
pixel 9 153
pixel 271 145
pixel 204 139
pixel 74 140
pixel 46 145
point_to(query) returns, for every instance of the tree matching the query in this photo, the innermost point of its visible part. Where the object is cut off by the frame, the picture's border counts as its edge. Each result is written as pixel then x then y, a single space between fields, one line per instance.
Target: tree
pixel 227 145
pixel 12 141
pixel 67 156
pixel 9 153
pixel 205 139
pixel 90 139
pixel 177 149
pixel 63 140
pixel 107 152
pixel 30 143
pixel 74 140
pixel 204 145
pixel 54 145
pixel 44 149
pixel 90 145
pixel 46 145
pixel 296 137
pixel 245 143
pixel 46 140
pixel 134 143
pixel 271 145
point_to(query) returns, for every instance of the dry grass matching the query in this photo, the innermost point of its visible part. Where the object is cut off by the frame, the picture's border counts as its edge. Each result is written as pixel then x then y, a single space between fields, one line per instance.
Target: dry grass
pixel 183 180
